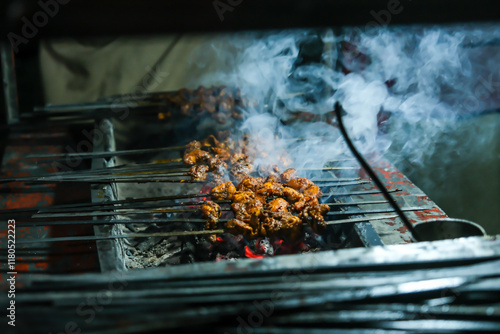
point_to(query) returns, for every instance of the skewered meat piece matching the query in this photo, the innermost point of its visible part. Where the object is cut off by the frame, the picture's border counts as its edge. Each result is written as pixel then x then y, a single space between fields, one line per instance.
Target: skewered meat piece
pixel 313 191
pixel 311 212
pixel 291 194
pixel 250 183
pixel 211 212
pixel 236 226
pixel 273 178
pixel 241 170
pixel 300 184
pixel 195 156
pixel 217 180
pixel 221 153
pixel 223 192
pixel 288 175
pixel 217 165
pixel 198 172
pixel 282 224
pixel 271 189
pixel 243 196
pixel 194 145
pixel 277 205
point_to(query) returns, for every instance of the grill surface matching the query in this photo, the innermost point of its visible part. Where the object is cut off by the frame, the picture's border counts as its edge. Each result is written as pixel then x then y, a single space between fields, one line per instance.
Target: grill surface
pixel 123 254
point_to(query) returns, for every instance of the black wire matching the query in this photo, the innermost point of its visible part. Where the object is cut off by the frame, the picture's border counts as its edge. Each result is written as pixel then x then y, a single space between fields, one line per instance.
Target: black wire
pixel 369 170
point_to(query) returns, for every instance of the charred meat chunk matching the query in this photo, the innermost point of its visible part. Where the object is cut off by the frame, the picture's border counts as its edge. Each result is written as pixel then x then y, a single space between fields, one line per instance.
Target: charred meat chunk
pixel 198 172
pixel 223 192
pixel 194 145
pixel 282 224
pixel 236 226
pixel 300 184
pixel 217 165
pixel 287 175
pixel 196 156
pixel 291 194
pixel 277 205
pixel 271 189
pixel 211 212
pixel 313 191
pixel 250 183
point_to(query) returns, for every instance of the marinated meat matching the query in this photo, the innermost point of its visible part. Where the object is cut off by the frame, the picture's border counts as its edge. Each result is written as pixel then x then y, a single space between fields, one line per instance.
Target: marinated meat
pixel 271 189
pixel 287 175
pixel 250 183
pixel 241 170
pixel 194 145
pixel 236 226
pixel 277 205
pixel 283 224
pixel 196 156
pixel 243 196
pixel 217 165
pixel 211 211
pixel 223 192
pixel 221 153
pixel 300 184
pixel 292 195
pixel 313 191
pixel 198 172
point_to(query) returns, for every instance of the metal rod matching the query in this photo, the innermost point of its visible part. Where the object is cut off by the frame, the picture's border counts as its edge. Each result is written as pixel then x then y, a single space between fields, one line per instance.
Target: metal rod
pixel 116 221
pixel 91 155
pixel 174 220
pixel 172 234
pixel 368 169
pixel 364 212
pixel 9 83
pixel 121 236
pixel 157 199
pixel 359 220
pixel 145 170
pixel 134 206
pixel 127 212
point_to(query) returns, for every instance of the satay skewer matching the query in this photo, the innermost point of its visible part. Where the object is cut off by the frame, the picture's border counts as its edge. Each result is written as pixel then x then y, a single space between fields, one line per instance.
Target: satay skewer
pixel 55 208
pixel 191 210
pixel 161 234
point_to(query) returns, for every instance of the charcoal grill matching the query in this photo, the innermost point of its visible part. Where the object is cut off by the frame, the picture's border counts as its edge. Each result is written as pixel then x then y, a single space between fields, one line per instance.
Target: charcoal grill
pixel 366 272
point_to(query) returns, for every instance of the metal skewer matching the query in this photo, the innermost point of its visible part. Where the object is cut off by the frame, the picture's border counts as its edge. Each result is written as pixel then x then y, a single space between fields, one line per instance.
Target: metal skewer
pixel 92 155
pixel 141 170
pixel 175 220
pixel 121 236
pixel 77 211
pixel 126 212
pixel 174 234
pixel 55 208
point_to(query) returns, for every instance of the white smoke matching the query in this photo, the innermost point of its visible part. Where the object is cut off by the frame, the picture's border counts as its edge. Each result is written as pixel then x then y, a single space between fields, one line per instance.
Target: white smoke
pixel 427 78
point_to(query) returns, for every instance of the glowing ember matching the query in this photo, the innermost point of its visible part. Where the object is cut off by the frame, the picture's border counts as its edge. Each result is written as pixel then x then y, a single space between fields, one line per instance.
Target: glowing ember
pixel 250 254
